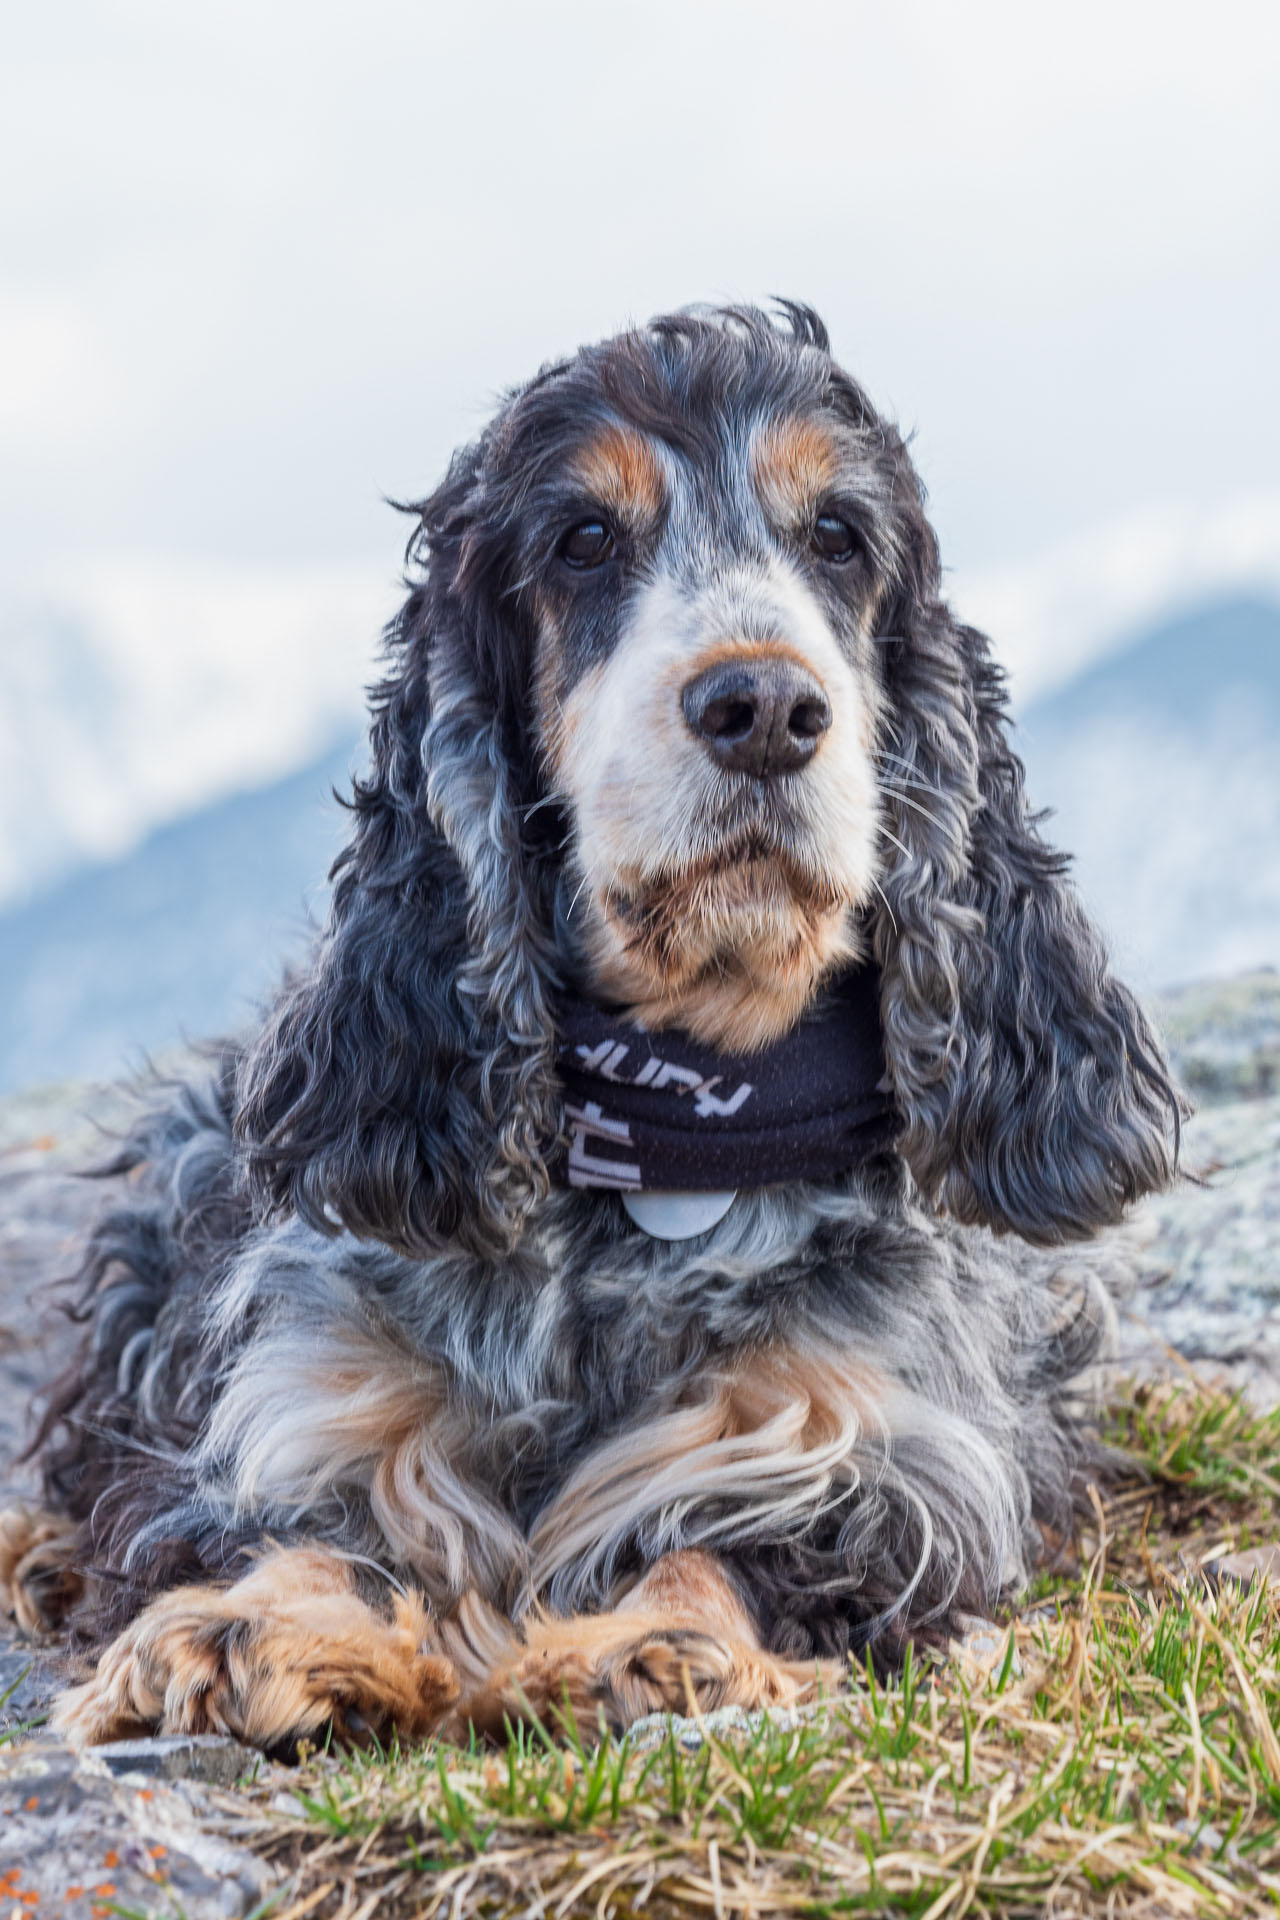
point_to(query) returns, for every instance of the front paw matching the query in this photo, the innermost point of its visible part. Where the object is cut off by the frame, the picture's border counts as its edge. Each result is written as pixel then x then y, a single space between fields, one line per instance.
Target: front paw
pixel 666 1670
pixel 269 1661
pixel 38 1581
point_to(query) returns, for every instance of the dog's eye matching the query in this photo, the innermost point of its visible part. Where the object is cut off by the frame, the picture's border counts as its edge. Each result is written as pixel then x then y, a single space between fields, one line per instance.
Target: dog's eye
pixel 587 545
pixel 834 538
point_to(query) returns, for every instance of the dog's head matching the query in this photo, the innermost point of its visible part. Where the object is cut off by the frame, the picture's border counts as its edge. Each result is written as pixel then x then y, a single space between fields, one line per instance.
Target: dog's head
pixel 676 712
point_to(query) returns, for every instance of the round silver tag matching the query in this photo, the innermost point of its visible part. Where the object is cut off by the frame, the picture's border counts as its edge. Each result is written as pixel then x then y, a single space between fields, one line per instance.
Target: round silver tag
pixel 677 1216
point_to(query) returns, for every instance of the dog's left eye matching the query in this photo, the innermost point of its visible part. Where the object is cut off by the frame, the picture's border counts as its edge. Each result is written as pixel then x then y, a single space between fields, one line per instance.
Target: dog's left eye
pixel 587 544
pixel 834 538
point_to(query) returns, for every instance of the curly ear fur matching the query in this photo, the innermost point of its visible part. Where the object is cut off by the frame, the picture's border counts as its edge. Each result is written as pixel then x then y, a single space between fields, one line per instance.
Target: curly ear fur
pixel 1033 1090
pixel 402 1088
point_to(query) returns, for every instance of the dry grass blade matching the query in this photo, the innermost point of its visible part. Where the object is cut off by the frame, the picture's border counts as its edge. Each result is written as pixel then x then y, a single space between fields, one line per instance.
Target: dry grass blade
pixel 1120 1757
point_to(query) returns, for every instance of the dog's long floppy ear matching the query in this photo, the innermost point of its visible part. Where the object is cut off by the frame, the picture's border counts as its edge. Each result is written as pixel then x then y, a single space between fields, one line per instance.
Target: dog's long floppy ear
pixel 403 1087
pixel 1032 1089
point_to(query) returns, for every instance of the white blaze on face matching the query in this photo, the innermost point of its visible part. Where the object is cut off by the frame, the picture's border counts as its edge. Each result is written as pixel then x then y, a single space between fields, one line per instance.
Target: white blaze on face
pixel 651 802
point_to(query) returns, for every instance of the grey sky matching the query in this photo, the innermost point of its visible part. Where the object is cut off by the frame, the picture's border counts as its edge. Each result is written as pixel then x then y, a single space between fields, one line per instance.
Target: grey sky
pixel 262 263
pixel 259 264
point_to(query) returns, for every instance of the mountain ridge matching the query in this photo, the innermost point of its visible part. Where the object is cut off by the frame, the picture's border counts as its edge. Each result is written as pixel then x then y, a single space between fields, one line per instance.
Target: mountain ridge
pixel 1160 764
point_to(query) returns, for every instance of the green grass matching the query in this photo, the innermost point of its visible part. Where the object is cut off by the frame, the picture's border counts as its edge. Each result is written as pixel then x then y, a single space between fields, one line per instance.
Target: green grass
pixel 1118 1755
pixel 17 1728
pixel 1204 1442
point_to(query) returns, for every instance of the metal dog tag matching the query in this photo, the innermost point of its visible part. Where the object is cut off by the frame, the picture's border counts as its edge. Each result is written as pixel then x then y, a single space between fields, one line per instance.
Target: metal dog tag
pixel 677 1216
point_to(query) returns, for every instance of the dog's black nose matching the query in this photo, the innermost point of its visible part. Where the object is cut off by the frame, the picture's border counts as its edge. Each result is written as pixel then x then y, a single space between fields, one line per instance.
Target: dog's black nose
pixel 761 717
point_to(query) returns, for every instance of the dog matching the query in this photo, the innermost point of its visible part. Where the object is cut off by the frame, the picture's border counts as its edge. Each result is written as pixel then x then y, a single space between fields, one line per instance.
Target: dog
pixel 634 1259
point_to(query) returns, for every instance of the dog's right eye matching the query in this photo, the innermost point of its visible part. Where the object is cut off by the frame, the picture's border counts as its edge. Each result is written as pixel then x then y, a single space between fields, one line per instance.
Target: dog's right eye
pixel 587 544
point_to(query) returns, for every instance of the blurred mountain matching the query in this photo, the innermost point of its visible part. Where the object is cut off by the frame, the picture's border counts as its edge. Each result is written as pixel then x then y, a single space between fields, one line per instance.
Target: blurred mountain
pixel 1161 764
pixel 1222 656
pixel 177 940
pixel 138 692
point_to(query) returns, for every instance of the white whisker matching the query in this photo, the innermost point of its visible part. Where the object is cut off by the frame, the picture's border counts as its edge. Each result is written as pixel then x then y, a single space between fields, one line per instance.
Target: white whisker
pixel 549 800
pixel 881 828
pixel 907 801
pixel 577 896
pixel 884 896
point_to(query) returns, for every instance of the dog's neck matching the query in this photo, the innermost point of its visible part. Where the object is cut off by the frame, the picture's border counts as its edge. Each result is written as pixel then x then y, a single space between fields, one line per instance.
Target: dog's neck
pixel 734 1007
pixel 652 1113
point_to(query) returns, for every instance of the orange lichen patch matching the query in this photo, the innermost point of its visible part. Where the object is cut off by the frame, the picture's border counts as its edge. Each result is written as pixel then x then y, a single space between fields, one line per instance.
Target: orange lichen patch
pixel 794 462
pixel 105 1890
pixel 72 1893
pixel 29 1806
pixel 622 470
pixel 157 1853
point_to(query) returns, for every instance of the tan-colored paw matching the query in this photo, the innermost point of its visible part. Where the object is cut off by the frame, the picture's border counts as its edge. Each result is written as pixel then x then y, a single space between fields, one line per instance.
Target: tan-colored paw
pixel 281 1655
pixel 661 1669
pixel 681 1671
pixel 38 1582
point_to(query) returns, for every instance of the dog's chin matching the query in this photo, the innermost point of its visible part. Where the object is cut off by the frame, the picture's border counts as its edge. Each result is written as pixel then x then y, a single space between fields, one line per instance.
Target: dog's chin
pixel 732 949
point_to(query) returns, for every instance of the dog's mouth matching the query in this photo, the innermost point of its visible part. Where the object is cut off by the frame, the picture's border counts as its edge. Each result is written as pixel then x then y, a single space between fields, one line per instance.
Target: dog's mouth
pixel 730 934
pixel 744 866
pixel 731 946
pixel 748 897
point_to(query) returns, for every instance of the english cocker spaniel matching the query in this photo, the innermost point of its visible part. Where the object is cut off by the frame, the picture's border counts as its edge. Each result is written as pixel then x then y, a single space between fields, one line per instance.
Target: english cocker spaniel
pixel 631 1257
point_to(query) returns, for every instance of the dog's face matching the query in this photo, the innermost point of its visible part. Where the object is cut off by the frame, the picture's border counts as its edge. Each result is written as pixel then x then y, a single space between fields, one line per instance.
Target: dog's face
pixel 705 564
pixel 675 704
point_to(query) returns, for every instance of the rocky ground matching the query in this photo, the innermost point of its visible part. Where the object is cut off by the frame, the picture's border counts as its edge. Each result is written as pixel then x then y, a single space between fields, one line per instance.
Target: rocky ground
pixel 1210 1271
pixel 155 1826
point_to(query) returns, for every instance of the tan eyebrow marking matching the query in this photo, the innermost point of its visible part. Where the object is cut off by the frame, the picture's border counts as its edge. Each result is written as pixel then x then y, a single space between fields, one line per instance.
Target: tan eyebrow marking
pixel 622 470
pixel 794 462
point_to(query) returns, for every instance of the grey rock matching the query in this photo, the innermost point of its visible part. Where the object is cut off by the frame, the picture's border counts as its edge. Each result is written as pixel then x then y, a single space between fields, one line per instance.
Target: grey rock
pixel 1208 1844
pixel 1254 1563
pixel 1210 1271
pixel 1223 1037
pixel 217 1760
pixel 80 1837
pixel 657 1729
pixel 983 1647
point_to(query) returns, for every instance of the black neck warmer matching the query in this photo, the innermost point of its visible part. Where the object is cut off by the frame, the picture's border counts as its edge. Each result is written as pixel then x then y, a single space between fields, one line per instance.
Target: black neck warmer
pixel 648 1112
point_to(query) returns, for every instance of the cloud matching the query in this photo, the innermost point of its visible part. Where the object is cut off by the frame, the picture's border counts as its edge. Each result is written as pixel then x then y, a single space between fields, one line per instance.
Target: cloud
pixel 57 384
pixel 306 245
pixel 136 691
pixel 1175 840
pixel 1055 614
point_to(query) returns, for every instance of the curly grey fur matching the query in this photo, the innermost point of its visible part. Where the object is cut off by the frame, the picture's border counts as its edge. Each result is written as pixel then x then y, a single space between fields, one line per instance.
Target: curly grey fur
pixel 355 1225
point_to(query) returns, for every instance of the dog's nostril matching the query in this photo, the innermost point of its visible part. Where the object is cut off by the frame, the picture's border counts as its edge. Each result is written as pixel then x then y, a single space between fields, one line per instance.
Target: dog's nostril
pixel 761 716
pixel 728 719
pixel 809 719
